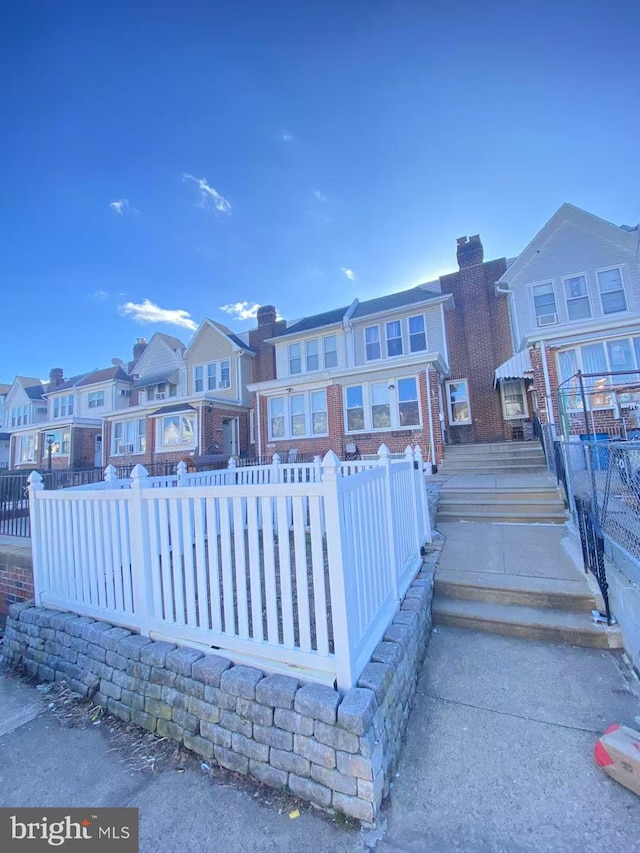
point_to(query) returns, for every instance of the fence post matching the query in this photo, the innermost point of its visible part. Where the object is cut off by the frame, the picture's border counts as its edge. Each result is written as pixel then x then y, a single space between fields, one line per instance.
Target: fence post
pixel 182 473
pixel 384 460
pixel 422 492
pixel 110 477
pixel 317 464
pixel 141 576
pixel 275 465
pixel 36 485
pixel 415 501
pixel 339 576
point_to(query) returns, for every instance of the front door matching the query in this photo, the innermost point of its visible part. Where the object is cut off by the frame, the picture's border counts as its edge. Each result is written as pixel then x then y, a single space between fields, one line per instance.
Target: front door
pixel 97 453
pixel 230 436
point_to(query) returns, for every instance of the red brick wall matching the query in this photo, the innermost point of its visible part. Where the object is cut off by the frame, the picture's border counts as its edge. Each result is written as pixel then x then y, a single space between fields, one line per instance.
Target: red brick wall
pixel 16 581
pixel 264 364
pixel 479 340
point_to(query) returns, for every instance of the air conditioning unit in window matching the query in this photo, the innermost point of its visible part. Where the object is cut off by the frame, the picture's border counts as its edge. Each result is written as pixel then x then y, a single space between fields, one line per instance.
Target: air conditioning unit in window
pixel 224 383
pixel 129 448
pixel 160 395
pixel 547 319
pixel 125 392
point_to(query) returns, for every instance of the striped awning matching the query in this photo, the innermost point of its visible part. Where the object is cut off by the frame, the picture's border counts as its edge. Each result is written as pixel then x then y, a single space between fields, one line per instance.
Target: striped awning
pixel 516 367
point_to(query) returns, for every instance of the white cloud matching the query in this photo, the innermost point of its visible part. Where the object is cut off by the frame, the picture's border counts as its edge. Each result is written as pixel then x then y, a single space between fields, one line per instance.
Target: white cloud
pixel 100 295
pixel 208 195
pixel 149 312
pixel 119 206
pixel 241 310
pixel 349 273
pixel 287 137
pixel 320 196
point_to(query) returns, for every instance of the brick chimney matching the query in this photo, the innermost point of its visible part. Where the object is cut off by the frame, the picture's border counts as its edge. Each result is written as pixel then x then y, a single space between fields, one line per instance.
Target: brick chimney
pixel 264 365
pixel 138 348
pixel 470 251
pixel 56 378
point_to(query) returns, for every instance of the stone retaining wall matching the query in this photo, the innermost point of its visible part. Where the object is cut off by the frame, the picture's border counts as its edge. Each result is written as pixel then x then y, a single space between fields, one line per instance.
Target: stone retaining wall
pixel 335 751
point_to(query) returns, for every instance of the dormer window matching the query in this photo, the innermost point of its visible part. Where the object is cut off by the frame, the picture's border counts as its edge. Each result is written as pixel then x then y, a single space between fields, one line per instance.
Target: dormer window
pixel 96 399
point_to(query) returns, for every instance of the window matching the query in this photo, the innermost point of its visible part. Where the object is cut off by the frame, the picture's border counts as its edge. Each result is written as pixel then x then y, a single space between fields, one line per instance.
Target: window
pixel 417 334
pixel 96 399
pixel 394 338
pixel 458 401
pixel 319 423
pixel 380 406
pixel 594 361
pixel 372 342
pixel 544 303
pixel 383 405
pixel 578 305
pixel 26 448
pixel 408 407
pixel 19 416
pixel 612 293
pixel 177 431
pixel 289 416
pixel 60 442
pixel 129 436
pixel 613 356
pixel 330 351
pixel 210 377
pixel 295 359
pixel 297 414
pixel 63 406
pixel 620 356
pixel 514 403
pixel 311 351
pixel 355 408
pixel 276 417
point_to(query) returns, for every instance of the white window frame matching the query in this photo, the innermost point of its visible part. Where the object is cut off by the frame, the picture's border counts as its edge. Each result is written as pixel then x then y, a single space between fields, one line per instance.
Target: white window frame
pixel 30 439
pixel 95 399
pixel 139 445
pixel 423 332
pixel 308 355
pixel 63 406
pixel 60 443
pixel 292 358
pixel 534 314
pixel 399 337
pixel 604 342
pixel 326 352
pixel 178 445
pixel 622 287
pixel 366 344
pixel 394 405
pixel 469 419
pixel 521 383
pixel 570 299
pixel 287 416
pixel 211 376
pixel 19 416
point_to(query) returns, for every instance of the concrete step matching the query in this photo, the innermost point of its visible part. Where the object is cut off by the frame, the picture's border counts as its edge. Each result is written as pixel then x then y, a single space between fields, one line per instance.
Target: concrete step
pixel 502 517
pixel 491 468
pixel 497 503
pixel 513 493
pixel 526 591
pixel 492 449
pixel 559 626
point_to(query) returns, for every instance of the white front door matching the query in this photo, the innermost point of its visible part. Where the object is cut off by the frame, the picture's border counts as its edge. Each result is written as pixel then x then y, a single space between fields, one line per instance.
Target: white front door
pixel 97 453
pixel 230 436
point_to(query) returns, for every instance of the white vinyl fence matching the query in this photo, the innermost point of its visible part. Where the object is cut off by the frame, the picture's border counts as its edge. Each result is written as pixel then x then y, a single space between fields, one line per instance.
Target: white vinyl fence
pixel 301 575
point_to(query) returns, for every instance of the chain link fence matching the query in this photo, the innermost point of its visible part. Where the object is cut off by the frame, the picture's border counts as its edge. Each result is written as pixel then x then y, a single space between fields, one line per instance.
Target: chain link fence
pixel 607 475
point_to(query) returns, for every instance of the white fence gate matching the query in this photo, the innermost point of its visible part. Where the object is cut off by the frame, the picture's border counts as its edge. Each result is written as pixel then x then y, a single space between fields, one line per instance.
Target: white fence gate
pixel 301 575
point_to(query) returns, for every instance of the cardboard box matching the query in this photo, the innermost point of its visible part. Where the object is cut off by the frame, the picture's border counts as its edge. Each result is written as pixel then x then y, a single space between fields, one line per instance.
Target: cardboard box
pixel 618 753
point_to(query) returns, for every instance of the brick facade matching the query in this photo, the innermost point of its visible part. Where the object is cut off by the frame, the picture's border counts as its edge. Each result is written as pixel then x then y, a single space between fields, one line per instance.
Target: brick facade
pixel 479 340
pixel 82 450
pixel 16 575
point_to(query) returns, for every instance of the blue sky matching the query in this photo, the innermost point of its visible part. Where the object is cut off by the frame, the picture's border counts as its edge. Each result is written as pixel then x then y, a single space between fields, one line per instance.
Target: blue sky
pixel 195 155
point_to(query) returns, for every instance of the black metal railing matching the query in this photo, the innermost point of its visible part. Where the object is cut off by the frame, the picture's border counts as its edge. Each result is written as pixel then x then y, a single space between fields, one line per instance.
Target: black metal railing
pixel 592 542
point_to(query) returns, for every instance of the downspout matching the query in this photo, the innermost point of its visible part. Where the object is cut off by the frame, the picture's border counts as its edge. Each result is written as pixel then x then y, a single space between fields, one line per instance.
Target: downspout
pixel 432 443
pixel 257 425
pixel 513 317
pixel 547 384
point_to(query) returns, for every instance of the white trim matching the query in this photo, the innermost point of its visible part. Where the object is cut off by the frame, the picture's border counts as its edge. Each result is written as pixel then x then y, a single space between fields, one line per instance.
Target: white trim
pixel 432 441
pixel 444 334
pixel 547 384
pixel 532 300
pixel 452 422
pixel 387 323
pixel 587 295
pixel 368 360
pixel 308 416
pixel 424 331
pixel 618 267
pixel 394 405
pixel 168 448
pixel 507 417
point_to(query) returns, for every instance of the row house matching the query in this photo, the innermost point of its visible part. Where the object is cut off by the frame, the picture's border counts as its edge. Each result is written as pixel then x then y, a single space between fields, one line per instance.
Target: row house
pixel 413 367
pixel 575 305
